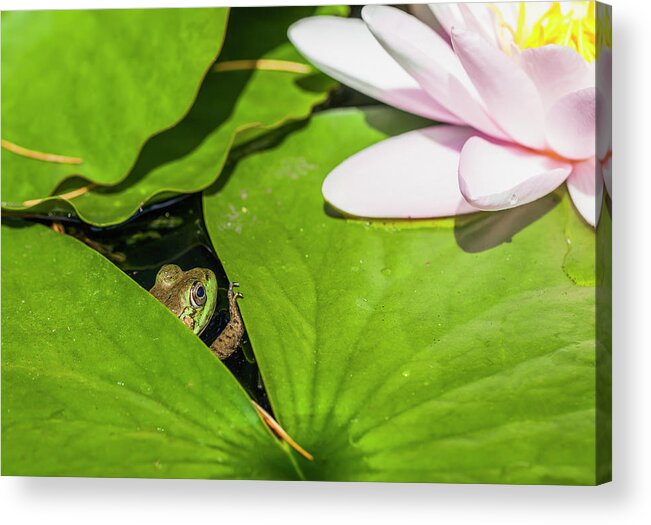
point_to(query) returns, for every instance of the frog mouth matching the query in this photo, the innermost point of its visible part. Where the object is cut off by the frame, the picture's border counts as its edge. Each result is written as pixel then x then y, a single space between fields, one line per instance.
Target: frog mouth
pixel 188 321
pixel 191 316
pixel 188 318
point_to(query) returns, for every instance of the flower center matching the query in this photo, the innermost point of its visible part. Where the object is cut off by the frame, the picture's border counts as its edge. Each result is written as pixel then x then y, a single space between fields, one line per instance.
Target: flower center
pixel 570 24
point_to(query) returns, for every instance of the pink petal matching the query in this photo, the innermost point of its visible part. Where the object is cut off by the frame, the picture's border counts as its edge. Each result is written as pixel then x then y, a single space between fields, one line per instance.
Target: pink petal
pixel 425 14
pixel 586 189
pixel 556 71
pixel 510 95
pixel 448 16
pixel 413 175
pixel 431 61
pixel 480 19
pixel 571 125
pixel 346 50
pixel 496 176
pixel 477 17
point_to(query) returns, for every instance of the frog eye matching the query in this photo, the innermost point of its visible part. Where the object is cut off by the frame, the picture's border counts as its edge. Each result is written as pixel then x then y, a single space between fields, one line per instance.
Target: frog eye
pixel 198 294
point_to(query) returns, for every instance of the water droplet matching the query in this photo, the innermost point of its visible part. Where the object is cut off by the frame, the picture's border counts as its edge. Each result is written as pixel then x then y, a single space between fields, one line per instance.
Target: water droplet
pixel 386 272
pixel 121 383
pixel 513 200
pixel 406 373
pixel 354 268
pixel 362 302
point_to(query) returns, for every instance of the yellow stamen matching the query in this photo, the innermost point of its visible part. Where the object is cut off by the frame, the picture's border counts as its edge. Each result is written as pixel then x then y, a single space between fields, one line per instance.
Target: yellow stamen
pixel 570 24
pixel 522 16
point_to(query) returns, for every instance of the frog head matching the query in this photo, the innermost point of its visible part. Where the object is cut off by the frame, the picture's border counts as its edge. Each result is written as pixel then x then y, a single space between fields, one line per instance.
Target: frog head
pixel 191 295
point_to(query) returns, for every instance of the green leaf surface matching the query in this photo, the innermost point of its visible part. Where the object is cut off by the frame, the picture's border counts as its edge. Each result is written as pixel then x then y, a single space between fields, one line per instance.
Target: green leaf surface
pixel 95 85
pixel 409 351
pixel 581 257
pixel 231 106
pixel 99 379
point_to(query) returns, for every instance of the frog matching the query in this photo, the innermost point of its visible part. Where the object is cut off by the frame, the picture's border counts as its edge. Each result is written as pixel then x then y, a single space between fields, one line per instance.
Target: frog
pixel 192 297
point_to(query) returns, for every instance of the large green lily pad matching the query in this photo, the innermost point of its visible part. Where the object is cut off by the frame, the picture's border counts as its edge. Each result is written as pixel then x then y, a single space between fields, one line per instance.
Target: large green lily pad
pixel 231 105
pixel 99 379
pixel 406 351
pixel 95 85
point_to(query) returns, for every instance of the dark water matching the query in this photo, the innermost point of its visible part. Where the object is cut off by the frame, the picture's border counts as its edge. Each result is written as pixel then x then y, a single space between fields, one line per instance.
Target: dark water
pixel 173 232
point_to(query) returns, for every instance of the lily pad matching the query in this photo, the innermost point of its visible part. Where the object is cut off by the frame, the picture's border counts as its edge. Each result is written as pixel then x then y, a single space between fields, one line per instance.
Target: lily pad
pixel 238 98
pixel 94 85
pixel 99 379
pixel 391 350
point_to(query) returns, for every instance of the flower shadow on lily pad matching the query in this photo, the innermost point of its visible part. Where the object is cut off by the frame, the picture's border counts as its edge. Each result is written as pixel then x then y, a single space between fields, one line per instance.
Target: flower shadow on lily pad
pixel 484 231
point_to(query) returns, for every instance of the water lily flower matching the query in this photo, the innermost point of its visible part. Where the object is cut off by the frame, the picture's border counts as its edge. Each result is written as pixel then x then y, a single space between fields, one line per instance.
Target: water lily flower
pixel 515 82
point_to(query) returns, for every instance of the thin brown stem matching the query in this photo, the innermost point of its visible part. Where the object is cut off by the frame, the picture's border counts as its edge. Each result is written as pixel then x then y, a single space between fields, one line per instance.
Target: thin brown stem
pixel 278 430
pixel 69 195
pixel 39 155
pixel 265 64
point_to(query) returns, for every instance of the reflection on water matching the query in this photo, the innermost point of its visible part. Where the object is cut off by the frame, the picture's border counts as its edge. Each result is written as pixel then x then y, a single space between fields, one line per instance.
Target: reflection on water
pixel 173 232
pixel 484 231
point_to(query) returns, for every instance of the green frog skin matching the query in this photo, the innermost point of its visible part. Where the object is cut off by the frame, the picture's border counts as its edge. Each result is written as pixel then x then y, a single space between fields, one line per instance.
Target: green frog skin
pixel 192 296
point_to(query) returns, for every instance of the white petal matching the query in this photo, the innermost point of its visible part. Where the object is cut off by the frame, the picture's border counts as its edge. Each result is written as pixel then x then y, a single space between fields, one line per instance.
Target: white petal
pixel 556 71
pixel 496 176
pixel 510 95
pixel 585 185
pixel 481 19
pixel 571 125
pixel 413 175
pixel 448 15
pixel 424 13
pixel 432 62
pixel 478 17
pixel 346 50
